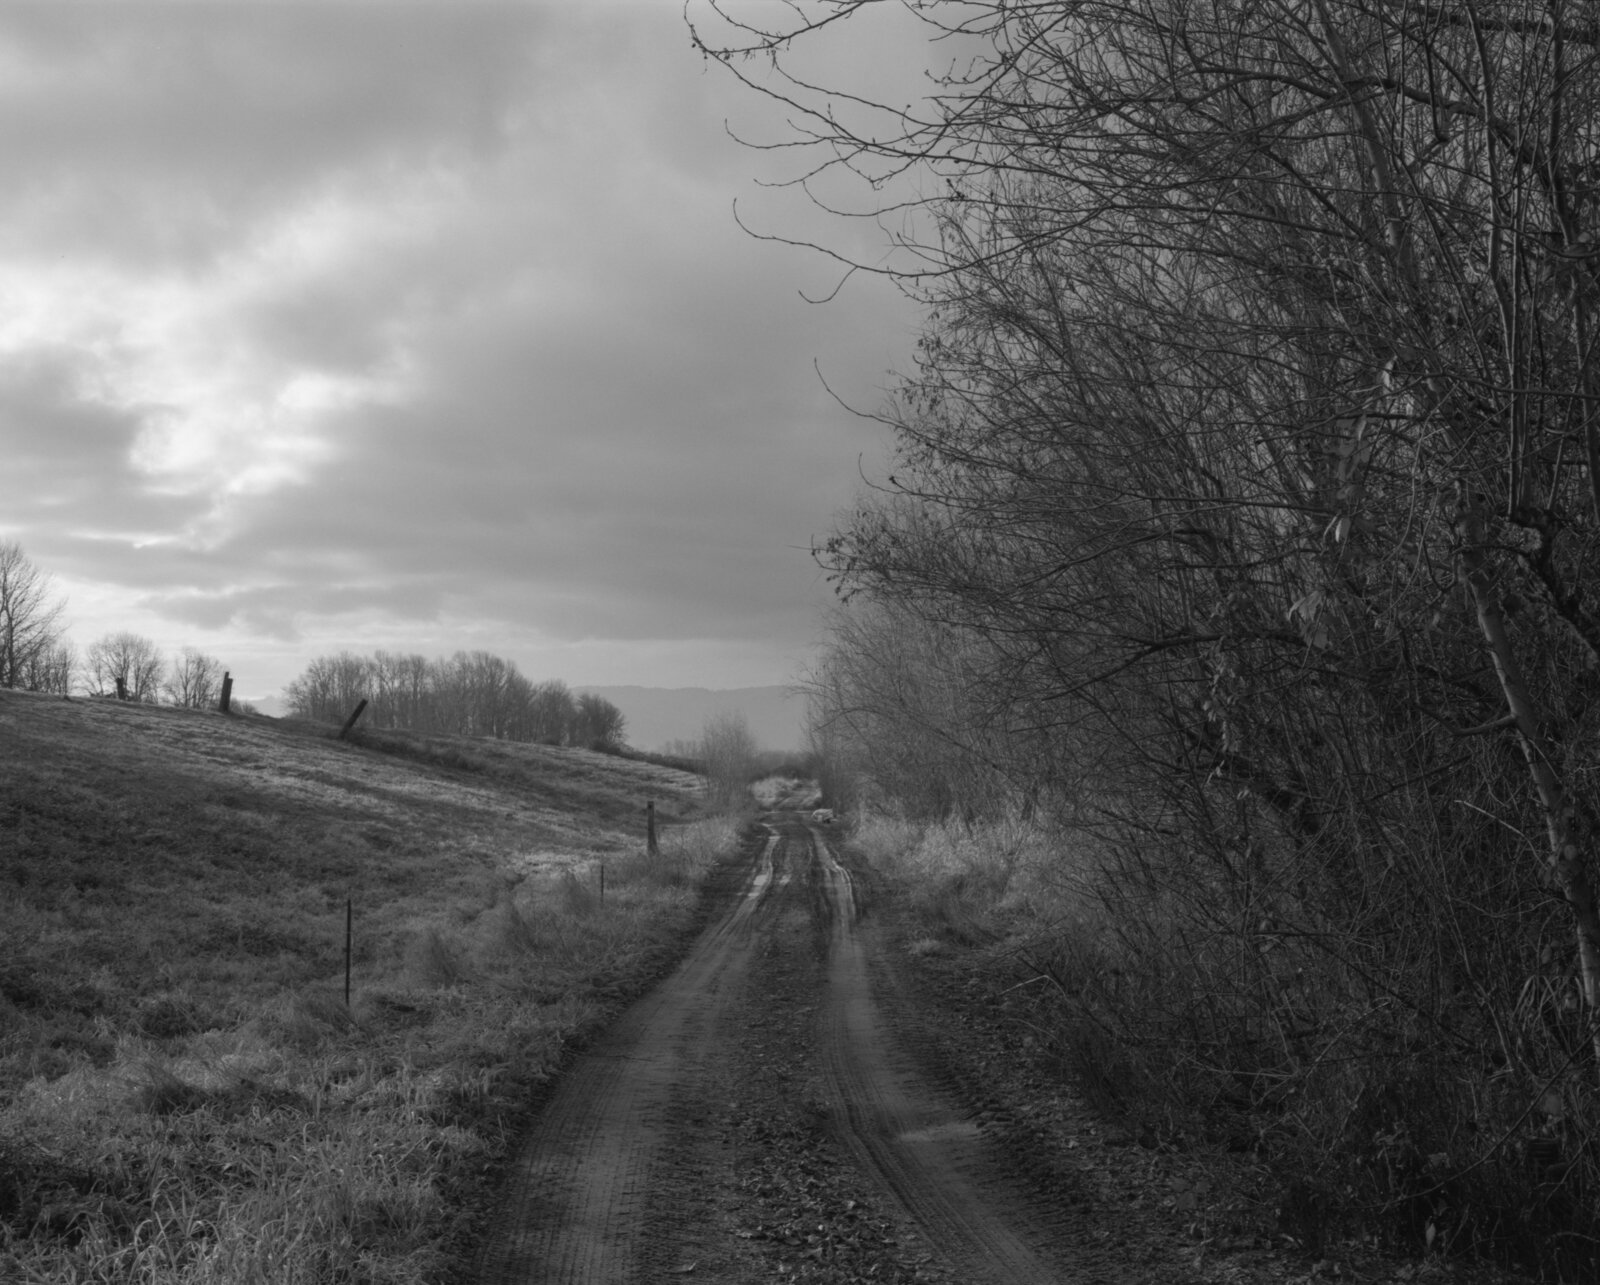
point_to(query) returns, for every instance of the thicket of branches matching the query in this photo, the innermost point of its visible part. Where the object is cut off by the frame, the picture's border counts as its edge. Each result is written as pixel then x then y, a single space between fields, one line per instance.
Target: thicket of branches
pixel 34 653
pixel 730 758
pixel 469 694
pixel 126 665
pixel 193 680
pixel 1245 515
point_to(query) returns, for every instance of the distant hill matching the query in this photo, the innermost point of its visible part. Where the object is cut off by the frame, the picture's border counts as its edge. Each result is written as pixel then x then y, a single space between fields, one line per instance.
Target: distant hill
pixel 657 715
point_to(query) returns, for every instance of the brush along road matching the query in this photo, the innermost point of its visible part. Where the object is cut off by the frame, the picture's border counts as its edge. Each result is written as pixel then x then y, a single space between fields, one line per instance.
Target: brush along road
pixel 764 1114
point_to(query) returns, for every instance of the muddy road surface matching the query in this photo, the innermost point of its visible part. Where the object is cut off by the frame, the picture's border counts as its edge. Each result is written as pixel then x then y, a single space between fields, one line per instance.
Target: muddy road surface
pixel 770 1112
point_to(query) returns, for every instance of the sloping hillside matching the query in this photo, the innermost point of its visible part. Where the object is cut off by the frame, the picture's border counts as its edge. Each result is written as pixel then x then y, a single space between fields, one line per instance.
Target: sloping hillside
pixel 173 892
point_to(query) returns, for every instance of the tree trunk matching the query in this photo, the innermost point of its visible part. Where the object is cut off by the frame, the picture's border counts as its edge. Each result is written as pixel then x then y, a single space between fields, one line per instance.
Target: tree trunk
pixel 1569 828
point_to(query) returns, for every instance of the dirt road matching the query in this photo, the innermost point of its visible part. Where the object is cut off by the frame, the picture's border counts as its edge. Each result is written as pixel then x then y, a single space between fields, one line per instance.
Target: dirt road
pixel 763 1115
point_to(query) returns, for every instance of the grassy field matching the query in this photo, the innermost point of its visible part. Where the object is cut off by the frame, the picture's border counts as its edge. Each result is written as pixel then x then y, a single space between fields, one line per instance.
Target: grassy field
pixel 184 1094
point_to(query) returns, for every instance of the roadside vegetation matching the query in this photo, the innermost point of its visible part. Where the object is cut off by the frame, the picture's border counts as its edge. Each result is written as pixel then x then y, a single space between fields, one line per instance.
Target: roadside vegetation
pixel 185 1096
pixel 1240 547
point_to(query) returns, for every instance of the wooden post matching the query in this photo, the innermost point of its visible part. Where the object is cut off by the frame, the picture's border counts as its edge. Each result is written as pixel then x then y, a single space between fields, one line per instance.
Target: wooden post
pixel 349 921
pixel 651 847
pixel 351 721
pixel 227 691
pixel 122 688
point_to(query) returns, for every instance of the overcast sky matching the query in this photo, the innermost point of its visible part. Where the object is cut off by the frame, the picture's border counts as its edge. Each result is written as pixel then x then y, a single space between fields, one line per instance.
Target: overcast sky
pixel 422 327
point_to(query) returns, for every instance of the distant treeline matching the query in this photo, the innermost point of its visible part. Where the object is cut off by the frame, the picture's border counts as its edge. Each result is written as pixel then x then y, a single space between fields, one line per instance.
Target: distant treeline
pixel 469 694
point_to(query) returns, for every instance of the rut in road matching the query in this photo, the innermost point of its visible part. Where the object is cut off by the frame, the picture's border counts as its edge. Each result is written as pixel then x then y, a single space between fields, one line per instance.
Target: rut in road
pixel 618 1181
pixel 934 1159
pixel 578 1205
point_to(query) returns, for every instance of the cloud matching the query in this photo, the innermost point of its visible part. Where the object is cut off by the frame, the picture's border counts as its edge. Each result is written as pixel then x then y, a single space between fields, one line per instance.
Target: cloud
pixel 203 118
pixel 336 323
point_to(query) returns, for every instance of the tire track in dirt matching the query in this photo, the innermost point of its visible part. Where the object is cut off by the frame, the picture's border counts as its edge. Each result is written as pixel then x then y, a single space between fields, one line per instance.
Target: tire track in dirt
pixel 612 1143
pixel 934 1159
pixel 678 1146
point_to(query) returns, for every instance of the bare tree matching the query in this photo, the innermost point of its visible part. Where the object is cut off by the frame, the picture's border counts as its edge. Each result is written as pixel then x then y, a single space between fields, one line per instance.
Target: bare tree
pixel 403 691
pixel 126 665
pixel 899 708
pixel 729 752
pixel 30 622
pixel 597 723
pixel 194 680
pixel 551 711
pixel 53 669
pixel 330 687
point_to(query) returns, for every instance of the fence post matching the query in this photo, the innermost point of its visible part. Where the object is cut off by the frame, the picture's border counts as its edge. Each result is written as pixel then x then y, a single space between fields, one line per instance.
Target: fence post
pixel 351 721
pixel 349 921
pixel 227 691
pixel 651 847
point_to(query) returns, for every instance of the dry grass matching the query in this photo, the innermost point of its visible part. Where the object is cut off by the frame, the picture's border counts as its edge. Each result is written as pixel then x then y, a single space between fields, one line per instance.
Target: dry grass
pixel 184 1094
pixel 1029 903
pixel 785 791
pixel 1308 1065
pixel 972 883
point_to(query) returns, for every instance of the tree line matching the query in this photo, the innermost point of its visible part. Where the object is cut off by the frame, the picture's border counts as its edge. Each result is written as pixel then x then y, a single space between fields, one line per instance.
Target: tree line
pixel 470 694
pixel 1245 524
pixel 36 654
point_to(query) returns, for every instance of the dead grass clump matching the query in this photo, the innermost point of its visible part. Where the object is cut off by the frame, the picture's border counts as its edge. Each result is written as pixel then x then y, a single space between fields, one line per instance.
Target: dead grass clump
pixel 884 840
pixel 668 869
pixel 164 1017
pixel 783 790
pixel 309 1019
pixel 969 883
pixel 514 933
pixel 325 1007
pixel 37 1190
pixel 958 910
pixel 381 1010
pixel 430 964
pixel 247 1096
pixel 22 984
pixel 686 853
pixel 577 897
pixel 157 1090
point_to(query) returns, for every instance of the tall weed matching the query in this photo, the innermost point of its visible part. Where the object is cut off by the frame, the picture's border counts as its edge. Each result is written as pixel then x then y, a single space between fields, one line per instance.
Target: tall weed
pixel 972 881
pixel 1405 1064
